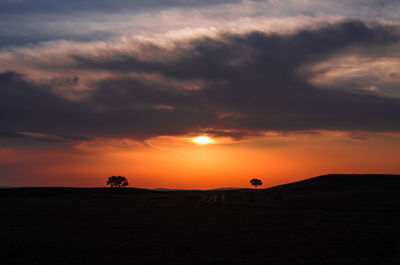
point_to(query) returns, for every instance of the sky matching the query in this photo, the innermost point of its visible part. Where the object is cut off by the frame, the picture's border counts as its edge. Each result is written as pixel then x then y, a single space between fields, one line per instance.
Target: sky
pixel 284 89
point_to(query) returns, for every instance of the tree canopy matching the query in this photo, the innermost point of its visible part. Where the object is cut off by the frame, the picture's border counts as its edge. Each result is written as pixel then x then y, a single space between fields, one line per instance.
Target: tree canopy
pixel 256 182
pixel 117 181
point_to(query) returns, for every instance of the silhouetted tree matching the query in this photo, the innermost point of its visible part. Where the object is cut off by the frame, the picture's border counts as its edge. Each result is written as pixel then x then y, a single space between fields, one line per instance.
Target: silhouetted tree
pixel 256 182
pixel 117 181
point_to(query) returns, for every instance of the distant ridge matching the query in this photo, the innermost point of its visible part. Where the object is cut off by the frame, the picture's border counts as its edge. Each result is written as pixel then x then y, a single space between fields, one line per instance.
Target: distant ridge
pixel 228 188
pixel 356 176
pixel 167 189
pixel 323 180
pixel 339 191
pixel 216 189
pixel 348 179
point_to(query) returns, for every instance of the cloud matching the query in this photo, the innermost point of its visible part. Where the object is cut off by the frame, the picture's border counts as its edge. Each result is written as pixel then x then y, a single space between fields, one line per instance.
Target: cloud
pixel 246 84
pixel 28 107
pixel 24 139
pixel 26 23
pixel 368 72
pixel 58 6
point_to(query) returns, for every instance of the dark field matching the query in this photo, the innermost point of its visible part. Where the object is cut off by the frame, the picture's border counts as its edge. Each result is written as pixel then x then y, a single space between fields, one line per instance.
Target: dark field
pixel 333 219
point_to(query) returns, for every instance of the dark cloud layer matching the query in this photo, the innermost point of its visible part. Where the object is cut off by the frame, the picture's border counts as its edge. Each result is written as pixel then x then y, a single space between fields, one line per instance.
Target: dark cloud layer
pixel 251 84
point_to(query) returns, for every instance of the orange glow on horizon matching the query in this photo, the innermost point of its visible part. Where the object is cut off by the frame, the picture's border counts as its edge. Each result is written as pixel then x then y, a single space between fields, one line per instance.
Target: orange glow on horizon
pixel 177 162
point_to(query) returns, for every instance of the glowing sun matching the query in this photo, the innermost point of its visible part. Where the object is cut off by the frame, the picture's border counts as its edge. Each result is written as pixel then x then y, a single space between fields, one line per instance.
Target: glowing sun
pixel 202 140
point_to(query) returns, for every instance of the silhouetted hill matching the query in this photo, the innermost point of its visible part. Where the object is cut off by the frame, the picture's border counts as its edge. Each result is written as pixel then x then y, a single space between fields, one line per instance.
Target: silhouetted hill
pixel 67 191
pixel 347 191
pixel 332 219
pixel 347 181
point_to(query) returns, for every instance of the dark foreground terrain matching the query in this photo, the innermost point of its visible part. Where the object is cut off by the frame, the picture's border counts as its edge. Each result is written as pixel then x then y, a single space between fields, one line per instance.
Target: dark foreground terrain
pixel 334 219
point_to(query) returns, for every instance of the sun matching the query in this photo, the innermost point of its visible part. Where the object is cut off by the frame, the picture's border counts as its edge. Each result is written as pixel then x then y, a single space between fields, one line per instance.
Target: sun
pixel 202 140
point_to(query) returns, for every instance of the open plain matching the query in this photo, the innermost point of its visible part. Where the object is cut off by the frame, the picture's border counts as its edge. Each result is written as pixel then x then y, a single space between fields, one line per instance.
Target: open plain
pixel 332 219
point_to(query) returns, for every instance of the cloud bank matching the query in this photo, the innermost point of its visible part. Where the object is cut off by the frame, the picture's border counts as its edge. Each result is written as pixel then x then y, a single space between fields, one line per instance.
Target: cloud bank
pixel 229 84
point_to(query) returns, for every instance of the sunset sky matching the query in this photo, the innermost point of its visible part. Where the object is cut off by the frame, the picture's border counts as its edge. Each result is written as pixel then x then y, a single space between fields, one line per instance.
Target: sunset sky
pixel 283 89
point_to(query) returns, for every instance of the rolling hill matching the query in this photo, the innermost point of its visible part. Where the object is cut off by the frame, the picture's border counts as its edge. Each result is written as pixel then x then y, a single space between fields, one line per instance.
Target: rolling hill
pixel 332 219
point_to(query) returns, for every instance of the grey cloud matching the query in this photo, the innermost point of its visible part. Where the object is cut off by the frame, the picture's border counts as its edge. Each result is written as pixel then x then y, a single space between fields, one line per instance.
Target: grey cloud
pixel 34 36
pixel 212 59
pixel 81 6
pixel 32 22
pixel 11 134
pixel 264 86
pixel 253 76
pixel 27 107
pixel 23 139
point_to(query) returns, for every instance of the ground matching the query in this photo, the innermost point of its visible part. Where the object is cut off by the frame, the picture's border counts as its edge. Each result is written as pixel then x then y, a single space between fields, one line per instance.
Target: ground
pixel 326 220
